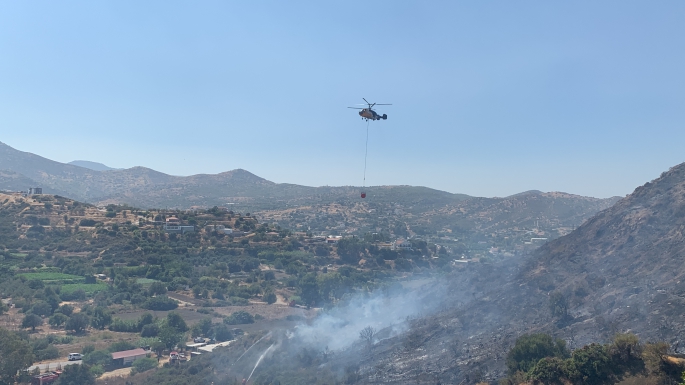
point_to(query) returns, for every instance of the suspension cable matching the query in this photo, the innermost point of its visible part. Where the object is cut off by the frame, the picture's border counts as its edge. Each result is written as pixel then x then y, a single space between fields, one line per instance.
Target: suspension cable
pixel 366 151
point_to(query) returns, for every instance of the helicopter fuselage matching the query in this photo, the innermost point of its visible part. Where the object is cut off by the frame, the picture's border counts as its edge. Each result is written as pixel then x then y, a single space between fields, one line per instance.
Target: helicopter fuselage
pixel 370 114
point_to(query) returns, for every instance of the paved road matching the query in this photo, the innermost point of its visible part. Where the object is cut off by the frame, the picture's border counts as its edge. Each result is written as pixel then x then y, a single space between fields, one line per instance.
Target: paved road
pixel 52 365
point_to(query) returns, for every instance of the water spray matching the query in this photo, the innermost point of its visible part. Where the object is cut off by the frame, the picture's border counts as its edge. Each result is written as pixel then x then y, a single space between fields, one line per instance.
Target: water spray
pixel 248 349
pixel 260 360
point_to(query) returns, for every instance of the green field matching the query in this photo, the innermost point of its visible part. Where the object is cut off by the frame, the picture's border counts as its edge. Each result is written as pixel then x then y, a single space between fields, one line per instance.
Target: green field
pixel 145 281
pixel 88 288
pixel 53 277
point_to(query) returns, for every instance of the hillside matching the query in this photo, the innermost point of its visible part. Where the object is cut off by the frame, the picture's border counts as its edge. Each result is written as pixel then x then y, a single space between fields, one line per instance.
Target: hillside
pixel 620 271
pixel 464 225
pixel 628 259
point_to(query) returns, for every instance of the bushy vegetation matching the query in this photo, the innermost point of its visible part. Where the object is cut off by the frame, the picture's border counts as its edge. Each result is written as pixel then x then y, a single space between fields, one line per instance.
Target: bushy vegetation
pixel 239 317
pixel 541 360
pixel 143 364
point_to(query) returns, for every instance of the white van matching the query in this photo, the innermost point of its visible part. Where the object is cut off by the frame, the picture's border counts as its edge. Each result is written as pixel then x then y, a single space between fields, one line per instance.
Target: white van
pixel 75 356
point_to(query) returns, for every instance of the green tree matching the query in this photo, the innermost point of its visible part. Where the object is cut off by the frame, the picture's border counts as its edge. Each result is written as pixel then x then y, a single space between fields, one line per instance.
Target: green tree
pixel 531 348
pixel 98 357
pixel 77 323
pixel 76 375
pixel 350 250
pixel 15 354
pixel 202 328
pixel 58 320
pixel 270 297
pixel 31 321
pixel 238 318
pixel 101 318
pixel 65 309
pixel 158 347
pixel 156 288
pixel 145 319
pixel 143 364
pixel 330 285
pixel 309 289
pixel 120 346
pixel 42 309
pixel 150 330
pixel 169 336
pixel 625 352
pixel 175 320
pixel 222 333
pixel 590 365
pixel 548 371
pixel 97 370
pixel 160 303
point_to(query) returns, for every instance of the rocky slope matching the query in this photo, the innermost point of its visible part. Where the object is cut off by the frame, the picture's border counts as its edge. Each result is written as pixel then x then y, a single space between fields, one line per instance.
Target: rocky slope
pixel 620 271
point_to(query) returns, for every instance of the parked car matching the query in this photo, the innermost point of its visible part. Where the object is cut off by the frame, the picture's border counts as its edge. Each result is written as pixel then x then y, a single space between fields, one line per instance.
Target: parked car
pixel 75 356
pixel 198 340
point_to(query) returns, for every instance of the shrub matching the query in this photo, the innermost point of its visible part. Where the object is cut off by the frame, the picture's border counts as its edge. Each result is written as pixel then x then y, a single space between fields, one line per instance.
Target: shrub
pixel 97 370
pixel 150 330
pixel 531 348
pixel 76 374
pixel 143 364
pixel 119 325
pixel 590 365
pixel 549 370
pixel 97 357
pixel 270 297
pixel 120 346
pixel 31 321
pixel 77 323
pixel 239 317
pixel 222 333
pixel 88 349
pixel 87 222
pixel 57 320
pixel 50 352
pixel 160 303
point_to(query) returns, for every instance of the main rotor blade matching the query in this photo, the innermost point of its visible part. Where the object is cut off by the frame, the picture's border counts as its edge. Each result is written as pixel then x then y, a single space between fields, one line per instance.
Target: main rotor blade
pixel 381 104
pixel 367 102
pixel 356 108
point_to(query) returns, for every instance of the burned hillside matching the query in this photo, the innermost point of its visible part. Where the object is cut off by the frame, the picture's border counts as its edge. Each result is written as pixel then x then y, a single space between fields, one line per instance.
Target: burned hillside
pixel 619 272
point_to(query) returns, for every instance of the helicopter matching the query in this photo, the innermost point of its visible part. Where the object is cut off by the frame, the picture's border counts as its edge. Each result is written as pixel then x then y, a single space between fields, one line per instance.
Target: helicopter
pixel 368 113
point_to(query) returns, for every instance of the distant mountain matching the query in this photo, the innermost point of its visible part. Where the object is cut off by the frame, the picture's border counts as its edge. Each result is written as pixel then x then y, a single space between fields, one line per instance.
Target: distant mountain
pixel 91 165
pixel 529 192
pixel 146 188
pixel 143 187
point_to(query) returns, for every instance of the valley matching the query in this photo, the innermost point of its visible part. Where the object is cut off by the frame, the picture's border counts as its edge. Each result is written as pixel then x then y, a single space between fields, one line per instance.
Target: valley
pixel 445 285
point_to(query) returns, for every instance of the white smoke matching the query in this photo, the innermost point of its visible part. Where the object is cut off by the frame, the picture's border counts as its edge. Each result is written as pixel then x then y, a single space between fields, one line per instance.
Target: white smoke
pixel 338 328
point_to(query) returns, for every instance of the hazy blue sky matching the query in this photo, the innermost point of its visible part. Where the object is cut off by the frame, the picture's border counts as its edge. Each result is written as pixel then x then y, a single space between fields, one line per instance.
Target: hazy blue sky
pixel 489 98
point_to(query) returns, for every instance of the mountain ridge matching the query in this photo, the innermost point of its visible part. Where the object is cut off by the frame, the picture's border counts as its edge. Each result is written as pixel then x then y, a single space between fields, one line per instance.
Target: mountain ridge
pixel 95 166
pixel 144 187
